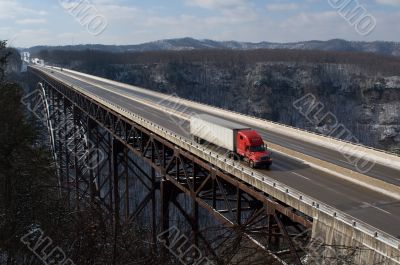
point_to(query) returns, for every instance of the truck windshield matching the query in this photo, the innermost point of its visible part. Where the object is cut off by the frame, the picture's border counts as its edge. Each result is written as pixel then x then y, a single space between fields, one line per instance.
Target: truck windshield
pixel 260 148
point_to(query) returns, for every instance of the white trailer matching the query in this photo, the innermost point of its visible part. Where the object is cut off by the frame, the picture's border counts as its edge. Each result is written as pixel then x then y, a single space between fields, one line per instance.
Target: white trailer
pixel 215 130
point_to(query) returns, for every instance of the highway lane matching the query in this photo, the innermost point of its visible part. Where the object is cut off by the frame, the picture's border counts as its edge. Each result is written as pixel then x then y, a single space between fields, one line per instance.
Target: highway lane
pixel 372 207
pixel 378 171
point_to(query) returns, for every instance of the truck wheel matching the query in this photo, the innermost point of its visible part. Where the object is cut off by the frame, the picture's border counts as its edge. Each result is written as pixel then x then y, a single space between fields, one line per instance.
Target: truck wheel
pixel 251 163
pixel 231 155
pixel 198 140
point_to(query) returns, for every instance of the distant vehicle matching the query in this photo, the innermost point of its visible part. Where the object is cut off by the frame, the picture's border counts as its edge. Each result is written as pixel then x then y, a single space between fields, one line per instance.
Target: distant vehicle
pixel 239 140
pixel 38 61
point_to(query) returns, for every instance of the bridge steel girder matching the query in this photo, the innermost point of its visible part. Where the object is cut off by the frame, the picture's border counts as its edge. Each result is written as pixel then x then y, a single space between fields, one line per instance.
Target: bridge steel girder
pixel 236 205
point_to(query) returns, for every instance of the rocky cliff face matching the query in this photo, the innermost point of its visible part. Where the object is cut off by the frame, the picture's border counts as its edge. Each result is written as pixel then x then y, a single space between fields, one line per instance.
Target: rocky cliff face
pixel 368 105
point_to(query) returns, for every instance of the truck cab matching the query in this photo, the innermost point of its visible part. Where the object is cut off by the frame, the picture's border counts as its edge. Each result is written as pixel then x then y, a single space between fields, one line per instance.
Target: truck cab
pixel 251 148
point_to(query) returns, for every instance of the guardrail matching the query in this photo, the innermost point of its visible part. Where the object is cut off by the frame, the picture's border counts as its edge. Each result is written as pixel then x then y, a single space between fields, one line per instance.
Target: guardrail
pixel 280 190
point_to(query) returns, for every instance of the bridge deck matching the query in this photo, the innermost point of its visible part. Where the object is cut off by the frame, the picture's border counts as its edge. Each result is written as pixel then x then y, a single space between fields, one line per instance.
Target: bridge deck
pixel 376 209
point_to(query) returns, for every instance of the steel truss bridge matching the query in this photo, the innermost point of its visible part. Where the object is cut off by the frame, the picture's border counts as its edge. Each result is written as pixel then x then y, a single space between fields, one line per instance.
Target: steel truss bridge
pixel 103 143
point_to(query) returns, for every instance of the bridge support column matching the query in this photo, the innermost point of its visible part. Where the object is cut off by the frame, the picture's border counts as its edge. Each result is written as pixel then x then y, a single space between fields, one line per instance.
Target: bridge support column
pixel 126 176
pixel 117 149
pixel 91 155
pixel 153 208
pixel 286 236
pixel 195 208
pixel 77 172
pixel 58 122
pixel 67 154
pixel 165 194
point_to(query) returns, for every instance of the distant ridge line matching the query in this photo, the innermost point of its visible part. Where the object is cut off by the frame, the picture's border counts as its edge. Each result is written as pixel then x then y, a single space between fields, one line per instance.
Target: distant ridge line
pixel 379 47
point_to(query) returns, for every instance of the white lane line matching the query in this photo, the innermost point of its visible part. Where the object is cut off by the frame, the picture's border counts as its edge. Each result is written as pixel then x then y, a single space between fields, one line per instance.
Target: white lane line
pixel 154 115
pixel 325 187
pixel 295 173
pixel 383 191
pixel 377 208
pixel 301 176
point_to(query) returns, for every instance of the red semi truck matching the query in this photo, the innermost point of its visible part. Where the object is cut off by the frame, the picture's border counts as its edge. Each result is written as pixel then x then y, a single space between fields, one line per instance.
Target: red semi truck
pixel 239 140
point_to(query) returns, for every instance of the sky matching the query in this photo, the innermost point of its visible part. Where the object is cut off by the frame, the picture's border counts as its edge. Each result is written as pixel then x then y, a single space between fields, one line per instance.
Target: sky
pixel 69 22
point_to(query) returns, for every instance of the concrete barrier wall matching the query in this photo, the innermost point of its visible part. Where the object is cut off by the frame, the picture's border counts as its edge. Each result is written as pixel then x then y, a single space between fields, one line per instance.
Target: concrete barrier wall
pixel 361 248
